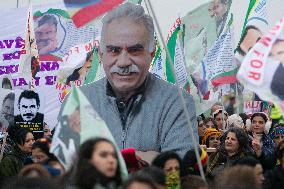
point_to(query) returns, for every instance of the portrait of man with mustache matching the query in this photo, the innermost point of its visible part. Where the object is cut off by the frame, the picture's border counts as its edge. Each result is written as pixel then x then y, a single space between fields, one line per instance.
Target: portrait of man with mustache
pixel 28 106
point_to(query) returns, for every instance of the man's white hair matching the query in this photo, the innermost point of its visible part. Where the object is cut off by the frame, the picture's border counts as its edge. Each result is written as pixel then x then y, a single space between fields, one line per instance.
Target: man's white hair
pixel 134 12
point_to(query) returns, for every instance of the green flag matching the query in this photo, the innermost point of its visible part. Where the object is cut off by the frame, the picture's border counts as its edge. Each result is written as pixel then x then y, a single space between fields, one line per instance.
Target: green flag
pixel 78 122
pixel 94 72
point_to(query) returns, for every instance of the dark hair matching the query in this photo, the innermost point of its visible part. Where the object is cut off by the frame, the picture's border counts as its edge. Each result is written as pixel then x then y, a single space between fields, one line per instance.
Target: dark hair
pixel 10 96
pixel 244 117
pixel 239 50
pixel 189 162
pixel 248 161
pixel 44 145
pixel 243 141
pixel 85 174
pixel 140 178
pixel 280 150
pixel 237 177
pixel 20 136
pixel 193 182
pixel 157 174
pixel 29 94
pixel 47 18
pixel 259 114
pixel 6 81
pixel 162 158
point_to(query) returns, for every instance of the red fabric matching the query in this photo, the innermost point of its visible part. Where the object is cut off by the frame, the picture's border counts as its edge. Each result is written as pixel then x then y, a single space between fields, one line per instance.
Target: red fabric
pixel 89 13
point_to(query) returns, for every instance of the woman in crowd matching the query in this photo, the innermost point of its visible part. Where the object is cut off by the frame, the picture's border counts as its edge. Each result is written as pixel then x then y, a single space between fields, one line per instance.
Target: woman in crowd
pixel 201 128
pixel 97 166
pixel 218 118
pixel 277 133
pixel 209 122
pixel 169 162
pixel 41 155
pixel 12 163
pixel 211 138
pixel 262 144
pixel 234 145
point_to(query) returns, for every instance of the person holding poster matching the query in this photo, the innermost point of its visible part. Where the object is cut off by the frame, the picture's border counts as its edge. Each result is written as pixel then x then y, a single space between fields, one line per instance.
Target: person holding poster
pixel 45 34
pixel 29 117
pixel 140 110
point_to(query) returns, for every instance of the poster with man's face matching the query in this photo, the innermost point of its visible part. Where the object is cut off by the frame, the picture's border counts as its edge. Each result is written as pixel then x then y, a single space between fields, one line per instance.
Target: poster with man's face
pixel 29 111
pixel 7 99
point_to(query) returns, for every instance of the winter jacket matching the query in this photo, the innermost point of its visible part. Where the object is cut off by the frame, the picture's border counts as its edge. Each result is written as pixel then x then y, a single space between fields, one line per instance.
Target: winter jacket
pixel 156 120
pixel 274 179
pixel 12 163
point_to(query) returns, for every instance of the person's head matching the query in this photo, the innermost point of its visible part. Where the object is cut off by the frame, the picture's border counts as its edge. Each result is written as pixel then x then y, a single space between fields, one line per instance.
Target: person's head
pixel 34 171
pixel 237 177
pixel 30 183
pixel 28 105
pixel 157 175
pixel 235 140
pixel 24 140
pixel 258 121
pixel 46 131
pixel 211 138
pixel 168 161
pixel 277 50
pixel 277 133
pixel 201 126
pixel 190 162
pixel 235 121
pixel 8 108
pixel 40 151
pixel 255 164
pixel 140 181
pixel 220 7
pixel 209 122
pixel 216 106
pixel 218 118
pixel 127 47
pixel 46 32
pixel 101 154
pixel 249 38
pixel 193 182
pixel 6 83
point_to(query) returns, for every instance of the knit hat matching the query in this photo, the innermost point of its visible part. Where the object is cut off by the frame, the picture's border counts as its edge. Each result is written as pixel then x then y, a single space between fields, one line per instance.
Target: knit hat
pixel 208 132
pixel 235 121
pixel 133 162
pixel 190 161
pixel 277 130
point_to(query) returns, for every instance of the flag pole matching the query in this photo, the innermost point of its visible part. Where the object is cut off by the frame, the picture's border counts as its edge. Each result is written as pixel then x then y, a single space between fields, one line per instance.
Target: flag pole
pixel 159 33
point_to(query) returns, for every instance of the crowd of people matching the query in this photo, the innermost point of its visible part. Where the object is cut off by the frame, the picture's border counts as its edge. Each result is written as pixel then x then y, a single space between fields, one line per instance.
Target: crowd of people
pixel 249 154
pixel 146 116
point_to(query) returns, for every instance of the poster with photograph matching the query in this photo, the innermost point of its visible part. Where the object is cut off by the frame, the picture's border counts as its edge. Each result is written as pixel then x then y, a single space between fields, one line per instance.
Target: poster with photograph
pixel 7 100
pixel 29 111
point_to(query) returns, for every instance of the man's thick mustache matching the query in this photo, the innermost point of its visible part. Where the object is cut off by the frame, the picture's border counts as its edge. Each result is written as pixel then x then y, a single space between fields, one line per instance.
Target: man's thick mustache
pixel 125 70
pixel 28 114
